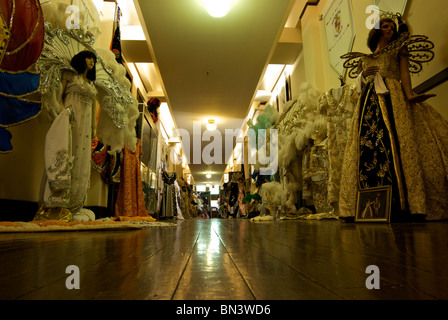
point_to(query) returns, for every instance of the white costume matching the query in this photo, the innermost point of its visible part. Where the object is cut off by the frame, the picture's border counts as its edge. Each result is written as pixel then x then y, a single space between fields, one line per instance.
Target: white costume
pixel 68 142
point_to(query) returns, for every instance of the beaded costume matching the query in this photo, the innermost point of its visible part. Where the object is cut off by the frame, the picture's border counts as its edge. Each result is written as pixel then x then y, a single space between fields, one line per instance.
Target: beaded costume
pixel 68 145
pixel 393 142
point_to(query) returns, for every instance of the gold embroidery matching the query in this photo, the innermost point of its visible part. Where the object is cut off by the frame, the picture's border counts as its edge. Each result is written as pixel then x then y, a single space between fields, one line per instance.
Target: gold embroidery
pixel 395 158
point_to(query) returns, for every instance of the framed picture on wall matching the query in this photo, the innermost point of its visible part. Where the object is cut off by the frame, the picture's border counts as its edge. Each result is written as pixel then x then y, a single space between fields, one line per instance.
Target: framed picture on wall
pixel 373 204
pixel 391 6
pixel 339 31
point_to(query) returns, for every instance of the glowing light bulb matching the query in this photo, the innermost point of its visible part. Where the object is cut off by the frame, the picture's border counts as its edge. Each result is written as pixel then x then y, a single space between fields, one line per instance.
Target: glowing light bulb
pixel 211 125
pixel 217 8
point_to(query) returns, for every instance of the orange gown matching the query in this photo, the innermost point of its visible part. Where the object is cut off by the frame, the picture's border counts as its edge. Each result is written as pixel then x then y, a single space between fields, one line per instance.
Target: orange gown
pixel 130 198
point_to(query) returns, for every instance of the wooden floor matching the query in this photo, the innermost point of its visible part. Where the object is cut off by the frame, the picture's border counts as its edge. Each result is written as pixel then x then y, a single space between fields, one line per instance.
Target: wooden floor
pixel 217 259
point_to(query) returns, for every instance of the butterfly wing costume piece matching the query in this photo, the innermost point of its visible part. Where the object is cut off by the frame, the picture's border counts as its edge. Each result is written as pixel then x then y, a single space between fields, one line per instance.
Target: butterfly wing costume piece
pixel 419 47
pixel 118 108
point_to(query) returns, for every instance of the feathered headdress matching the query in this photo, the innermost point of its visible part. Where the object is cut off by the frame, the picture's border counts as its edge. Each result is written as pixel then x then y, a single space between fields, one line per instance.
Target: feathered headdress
pixel 153 104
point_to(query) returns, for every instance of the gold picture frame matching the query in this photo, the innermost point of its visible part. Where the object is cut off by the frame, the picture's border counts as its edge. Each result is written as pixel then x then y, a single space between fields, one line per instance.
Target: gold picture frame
pixel 374 204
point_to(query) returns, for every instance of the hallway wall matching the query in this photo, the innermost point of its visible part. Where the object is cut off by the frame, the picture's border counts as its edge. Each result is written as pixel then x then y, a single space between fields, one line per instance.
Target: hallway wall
pixel 21 170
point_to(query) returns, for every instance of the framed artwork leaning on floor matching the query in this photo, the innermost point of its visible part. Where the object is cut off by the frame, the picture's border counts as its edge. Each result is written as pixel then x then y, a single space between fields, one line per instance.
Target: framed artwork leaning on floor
pixel 373 205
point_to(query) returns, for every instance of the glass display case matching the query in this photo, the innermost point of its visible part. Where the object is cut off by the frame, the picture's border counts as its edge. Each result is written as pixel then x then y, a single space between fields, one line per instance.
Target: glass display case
pixel 149 162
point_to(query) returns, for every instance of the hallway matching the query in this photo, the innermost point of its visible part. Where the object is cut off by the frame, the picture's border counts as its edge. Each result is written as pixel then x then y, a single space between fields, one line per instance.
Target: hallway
pixel 218 259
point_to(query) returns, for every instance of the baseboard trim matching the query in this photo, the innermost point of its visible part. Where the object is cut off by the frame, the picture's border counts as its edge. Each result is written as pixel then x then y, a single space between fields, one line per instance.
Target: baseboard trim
pixel 18 210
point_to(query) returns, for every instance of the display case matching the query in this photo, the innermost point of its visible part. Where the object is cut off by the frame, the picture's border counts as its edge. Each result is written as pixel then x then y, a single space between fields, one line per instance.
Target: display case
pixel 146 132
pixel 148 161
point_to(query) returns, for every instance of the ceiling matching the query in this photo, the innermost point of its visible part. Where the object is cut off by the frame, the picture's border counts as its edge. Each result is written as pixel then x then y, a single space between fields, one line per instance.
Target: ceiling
pixel 206 67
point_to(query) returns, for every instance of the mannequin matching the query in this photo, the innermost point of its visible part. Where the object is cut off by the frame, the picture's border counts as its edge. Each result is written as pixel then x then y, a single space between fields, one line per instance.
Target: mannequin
pixel 396 138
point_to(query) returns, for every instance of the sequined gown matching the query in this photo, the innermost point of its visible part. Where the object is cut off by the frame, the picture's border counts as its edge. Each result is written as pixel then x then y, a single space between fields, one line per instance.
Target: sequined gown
pixel 68 147
pixel 393 142
pixel 130 197
pixel 339 104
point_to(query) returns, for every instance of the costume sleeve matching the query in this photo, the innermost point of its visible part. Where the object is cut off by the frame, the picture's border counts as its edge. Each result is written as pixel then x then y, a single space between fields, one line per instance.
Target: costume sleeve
pixel 58 159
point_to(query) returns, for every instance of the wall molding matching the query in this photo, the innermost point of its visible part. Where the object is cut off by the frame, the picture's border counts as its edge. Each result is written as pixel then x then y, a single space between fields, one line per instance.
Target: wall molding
pixel 309 3
pixel 432 82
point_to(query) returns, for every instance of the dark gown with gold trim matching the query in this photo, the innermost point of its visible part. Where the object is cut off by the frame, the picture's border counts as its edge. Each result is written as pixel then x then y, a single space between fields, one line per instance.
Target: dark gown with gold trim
pixel 393 142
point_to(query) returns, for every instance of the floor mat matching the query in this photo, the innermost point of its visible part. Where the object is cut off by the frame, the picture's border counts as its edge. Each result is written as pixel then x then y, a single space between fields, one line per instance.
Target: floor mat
pixel 53 225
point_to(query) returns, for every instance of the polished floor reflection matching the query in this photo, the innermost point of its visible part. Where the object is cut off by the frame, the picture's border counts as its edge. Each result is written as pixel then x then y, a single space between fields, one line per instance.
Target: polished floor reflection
pixel 218 259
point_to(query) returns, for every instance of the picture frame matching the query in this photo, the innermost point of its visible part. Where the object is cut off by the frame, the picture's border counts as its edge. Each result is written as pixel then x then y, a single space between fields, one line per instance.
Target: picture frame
pixel 374 204
pixel 391 6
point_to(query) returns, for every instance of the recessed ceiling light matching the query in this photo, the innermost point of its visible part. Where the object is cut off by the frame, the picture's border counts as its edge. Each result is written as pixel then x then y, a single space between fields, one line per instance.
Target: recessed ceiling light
pixel 217 8
pixel 211 125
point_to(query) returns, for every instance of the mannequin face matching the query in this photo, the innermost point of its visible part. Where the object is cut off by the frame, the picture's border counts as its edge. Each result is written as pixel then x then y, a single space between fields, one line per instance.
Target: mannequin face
pixel 90 63
pixel 387 30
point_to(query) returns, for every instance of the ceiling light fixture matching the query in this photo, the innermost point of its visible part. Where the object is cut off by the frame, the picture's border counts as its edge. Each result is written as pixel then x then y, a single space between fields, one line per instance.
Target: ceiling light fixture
pixel 208 175
pixel 217 8
pixel 211 125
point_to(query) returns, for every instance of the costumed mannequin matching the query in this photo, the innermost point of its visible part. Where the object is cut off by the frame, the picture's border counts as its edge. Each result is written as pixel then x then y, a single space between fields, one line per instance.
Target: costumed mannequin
pixel 68 143
pixel 396 139
pixel 75 76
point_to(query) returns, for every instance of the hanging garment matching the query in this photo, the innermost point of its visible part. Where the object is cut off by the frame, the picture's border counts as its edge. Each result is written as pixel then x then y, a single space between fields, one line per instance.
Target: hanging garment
pixel 393 142
pixel 338 104
pixel 242 208
pixel 106 164
pixel 169 207
pixel 177 201
pixel 168 199
pixel 115 46
pixel 130 197
pixel 233 199
pixel 184 199
pixel 315 174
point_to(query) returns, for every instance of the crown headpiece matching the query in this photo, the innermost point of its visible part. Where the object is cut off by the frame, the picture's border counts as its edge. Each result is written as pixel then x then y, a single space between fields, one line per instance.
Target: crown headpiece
pixel 390 15
pixel 397 18
pixel 394 16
